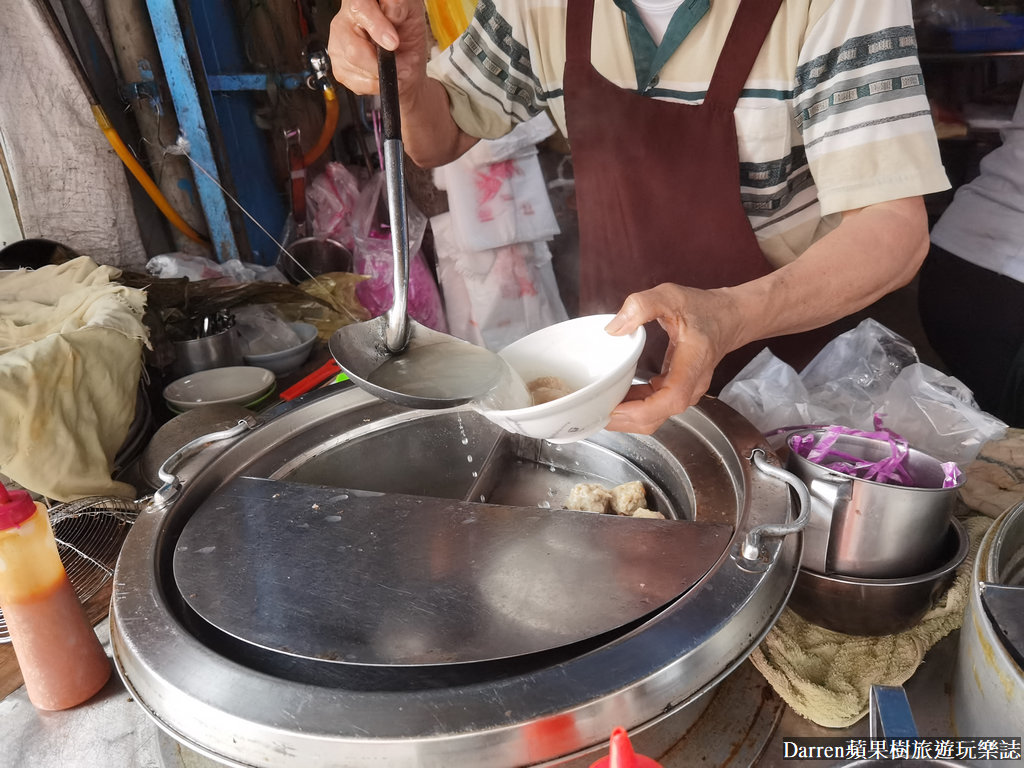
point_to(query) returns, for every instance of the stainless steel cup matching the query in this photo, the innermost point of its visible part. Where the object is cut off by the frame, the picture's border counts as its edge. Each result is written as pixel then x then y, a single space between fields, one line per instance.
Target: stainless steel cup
pixel 217 350
pixel 870 529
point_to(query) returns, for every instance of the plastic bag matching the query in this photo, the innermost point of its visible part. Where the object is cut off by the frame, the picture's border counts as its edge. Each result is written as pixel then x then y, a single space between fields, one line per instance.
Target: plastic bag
pixel 374 259
pixel 331 202
pixel 938 415
pixel 263 331
pixel 852 372
pixel 955 14
pixel 771 394
pixel 862 379
pixel 498 296
pixel 171 265
pixel 337 305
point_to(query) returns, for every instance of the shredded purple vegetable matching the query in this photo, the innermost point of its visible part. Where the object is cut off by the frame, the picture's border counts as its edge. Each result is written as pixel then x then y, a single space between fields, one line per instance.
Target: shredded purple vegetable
pixel 818 447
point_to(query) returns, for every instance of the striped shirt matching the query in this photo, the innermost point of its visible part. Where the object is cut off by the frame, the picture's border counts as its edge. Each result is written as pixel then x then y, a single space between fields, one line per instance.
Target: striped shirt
pixel 833 116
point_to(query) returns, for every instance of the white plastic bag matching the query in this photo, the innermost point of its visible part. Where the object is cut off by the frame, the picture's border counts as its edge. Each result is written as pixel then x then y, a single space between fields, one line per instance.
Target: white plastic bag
pixel 169 265
pixel 497 296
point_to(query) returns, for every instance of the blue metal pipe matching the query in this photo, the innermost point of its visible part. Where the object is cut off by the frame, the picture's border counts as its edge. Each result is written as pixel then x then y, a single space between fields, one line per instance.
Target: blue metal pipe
pixel 182 85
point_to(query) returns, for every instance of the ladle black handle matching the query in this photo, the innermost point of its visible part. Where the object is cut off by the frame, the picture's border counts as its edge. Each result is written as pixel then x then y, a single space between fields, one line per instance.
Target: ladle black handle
pixel 397 328
pixel 391 119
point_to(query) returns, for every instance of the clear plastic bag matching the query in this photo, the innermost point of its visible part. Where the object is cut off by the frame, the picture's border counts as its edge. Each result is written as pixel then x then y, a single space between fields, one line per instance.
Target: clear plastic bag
pixel 263 331
pixel 937 414
pixel 852 373
pixel 865 379
pixel 771 394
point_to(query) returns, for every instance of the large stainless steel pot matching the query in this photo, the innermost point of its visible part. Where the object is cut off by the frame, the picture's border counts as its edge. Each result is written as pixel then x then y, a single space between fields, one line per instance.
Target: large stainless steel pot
pixel 556 708
pixel 988 683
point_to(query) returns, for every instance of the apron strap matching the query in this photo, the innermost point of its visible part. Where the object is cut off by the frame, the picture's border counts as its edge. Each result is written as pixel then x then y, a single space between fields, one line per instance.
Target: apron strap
pixel 579 29
pixel 746 37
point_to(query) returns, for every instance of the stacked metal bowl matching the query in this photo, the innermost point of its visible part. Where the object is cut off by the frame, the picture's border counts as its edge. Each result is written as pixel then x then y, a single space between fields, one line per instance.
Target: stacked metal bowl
pixel 876 554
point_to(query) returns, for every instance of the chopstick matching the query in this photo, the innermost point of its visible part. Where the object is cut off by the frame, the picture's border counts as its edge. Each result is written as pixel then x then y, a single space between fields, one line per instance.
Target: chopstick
pixel 321 374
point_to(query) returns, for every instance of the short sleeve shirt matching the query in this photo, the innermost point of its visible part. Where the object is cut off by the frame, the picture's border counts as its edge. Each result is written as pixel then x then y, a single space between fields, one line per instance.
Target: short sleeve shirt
pixel 833 116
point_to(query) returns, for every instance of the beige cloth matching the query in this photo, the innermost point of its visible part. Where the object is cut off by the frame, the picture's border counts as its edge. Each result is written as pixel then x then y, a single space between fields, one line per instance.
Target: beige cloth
pixel 827 676
pixel 70 359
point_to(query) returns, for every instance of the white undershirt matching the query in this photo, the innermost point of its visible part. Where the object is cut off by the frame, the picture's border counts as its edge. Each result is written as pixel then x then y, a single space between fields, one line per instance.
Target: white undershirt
pixel 656 14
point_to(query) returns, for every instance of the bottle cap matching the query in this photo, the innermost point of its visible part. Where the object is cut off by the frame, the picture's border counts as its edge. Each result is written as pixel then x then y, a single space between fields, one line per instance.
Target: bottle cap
pixel 15 507
pixel 621 754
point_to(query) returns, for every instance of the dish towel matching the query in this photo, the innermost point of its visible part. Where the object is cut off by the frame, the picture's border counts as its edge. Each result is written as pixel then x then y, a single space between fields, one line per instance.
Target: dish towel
pixel 827 676
pixel 71 344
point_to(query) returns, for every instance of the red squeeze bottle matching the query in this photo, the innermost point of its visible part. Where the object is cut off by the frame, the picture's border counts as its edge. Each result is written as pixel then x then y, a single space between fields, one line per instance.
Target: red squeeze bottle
pixel 621 754
pixel 60 657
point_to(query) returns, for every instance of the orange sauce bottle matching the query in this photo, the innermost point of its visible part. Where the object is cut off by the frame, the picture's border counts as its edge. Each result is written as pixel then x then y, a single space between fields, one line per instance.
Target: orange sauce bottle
pixel 61 659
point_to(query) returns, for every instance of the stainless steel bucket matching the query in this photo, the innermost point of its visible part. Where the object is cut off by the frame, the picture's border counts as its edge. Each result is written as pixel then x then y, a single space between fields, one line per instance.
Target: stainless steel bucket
pixel 869 529
pixel 988 683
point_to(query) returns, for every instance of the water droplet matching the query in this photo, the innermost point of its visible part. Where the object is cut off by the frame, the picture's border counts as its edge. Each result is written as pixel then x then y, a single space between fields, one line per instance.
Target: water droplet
pixel 545 505
pixel 332 519
pixel 469 459
pixel 475 473
pixel 465 440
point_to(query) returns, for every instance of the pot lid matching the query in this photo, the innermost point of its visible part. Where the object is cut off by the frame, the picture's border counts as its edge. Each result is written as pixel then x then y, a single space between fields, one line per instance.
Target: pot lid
pixel 368 578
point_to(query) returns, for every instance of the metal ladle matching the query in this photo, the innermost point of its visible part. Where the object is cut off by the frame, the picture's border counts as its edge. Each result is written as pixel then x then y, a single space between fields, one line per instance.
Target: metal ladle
pixel 393 356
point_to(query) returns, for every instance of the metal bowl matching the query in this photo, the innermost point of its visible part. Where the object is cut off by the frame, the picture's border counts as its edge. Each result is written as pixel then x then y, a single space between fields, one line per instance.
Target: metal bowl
pixel 871 529
pixel 860 606
pixel 313 256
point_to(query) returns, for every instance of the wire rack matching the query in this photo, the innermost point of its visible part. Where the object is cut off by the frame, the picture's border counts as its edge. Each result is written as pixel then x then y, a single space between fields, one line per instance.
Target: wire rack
pixel 89 533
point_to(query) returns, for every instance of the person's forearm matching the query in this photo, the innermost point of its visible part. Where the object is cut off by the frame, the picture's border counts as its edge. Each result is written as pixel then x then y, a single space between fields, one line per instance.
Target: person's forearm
pixel 873 251
pixel 430 135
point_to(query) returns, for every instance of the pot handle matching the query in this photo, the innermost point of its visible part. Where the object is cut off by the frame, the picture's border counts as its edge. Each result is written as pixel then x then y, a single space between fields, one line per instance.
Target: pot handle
pixel 172 484
pixel 750 551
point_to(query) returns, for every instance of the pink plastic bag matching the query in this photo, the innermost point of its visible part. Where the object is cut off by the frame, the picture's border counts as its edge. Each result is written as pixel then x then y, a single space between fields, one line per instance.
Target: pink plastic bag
pixel 331 199
pixel 374 258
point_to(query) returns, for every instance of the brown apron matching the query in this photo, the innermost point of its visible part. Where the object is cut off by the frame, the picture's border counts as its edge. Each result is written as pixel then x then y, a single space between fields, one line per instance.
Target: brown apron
pixel 657 182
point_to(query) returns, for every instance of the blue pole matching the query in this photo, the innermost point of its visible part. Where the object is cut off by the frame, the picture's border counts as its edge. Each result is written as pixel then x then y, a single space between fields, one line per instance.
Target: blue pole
pixel 182 85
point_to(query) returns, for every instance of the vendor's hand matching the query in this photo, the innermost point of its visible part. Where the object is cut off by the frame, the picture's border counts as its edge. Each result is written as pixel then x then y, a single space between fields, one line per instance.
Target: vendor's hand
pixel 361 25
pixel 701 327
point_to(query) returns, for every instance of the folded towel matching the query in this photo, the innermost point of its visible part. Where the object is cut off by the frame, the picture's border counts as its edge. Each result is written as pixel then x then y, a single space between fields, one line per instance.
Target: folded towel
pixel 827 676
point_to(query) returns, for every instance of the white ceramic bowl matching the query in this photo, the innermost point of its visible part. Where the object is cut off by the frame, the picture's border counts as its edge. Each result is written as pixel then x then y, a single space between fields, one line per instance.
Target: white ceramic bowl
pixel 287 360
pixel 595 365
pixel 239 384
